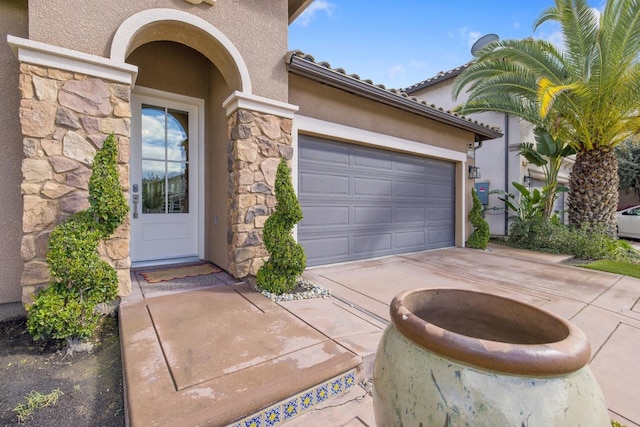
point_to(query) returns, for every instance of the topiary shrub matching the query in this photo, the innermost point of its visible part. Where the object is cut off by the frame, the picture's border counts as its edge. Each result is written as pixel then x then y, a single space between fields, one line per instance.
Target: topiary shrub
pixel 480 236
pixel 79 278
pixel 286 260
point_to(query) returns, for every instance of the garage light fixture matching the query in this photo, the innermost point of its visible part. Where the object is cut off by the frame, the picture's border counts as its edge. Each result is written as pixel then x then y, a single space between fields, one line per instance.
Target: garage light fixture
pixel 474 172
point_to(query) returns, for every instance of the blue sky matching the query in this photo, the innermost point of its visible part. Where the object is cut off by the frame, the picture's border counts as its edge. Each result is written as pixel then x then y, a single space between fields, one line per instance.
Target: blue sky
pixel 406 41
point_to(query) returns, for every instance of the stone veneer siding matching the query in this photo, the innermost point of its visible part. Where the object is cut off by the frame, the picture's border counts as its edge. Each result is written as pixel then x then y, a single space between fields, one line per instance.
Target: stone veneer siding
pixel 65 118
pixel 257 142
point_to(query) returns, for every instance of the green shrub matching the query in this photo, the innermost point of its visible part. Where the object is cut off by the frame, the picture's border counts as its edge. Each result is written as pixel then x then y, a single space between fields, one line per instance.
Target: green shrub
pixel 286 260
pixel 480 236
pixel 585 242
pixel 59 312
pixel 106 197
pixel 79 278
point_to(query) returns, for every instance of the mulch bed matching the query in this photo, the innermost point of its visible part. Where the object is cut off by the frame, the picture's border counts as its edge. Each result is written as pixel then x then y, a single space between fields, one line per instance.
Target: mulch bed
pixel 91 383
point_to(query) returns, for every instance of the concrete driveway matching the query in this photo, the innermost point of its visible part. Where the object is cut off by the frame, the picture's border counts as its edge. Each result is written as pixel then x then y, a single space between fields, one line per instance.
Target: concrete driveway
pixel 605 306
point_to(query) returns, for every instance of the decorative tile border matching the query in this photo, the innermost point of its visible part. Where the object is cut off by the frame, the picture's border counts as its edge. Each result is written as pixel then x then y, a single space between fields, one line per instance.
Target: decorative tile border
pixel 299 404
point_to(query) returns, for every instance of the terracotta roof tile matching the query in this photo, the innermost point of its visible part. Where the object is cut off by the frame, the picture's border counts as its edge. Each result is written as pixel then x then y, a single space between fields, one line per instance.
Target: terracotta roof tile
pixel 442 75
pixel 401 93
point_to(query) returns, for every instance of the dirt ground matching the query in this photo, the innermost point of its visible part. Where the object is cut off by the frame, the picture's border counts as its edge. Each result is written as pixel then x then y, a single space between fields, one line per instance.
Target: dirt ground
pixel 91 383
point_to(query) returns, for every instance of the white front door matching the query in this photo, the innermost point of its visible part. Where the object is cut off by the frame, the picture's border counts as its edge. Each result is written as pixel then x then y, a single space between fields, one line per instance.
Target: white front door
pixel 165 205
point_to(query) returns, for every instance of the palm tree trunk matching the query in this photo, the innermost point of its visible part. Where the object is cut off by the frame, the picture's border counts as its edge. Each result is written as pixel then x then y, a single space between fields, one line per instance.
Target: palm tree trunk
pixel 593 194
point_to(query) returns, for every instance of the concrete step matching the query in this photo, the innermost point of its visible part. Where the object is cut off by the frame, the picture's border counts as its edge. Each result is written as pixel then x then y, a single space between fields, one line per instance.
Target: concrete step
pixel 336 390
pixel 212 356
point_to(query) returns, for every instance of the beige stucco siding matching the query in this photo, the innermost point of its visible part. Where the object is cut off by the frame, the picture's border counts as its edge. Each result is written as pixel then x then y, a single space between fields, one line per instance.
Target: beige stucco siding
pixel 171 67
pixel 13 20
pixel 257 29
pixel 333 105
pixel 216 186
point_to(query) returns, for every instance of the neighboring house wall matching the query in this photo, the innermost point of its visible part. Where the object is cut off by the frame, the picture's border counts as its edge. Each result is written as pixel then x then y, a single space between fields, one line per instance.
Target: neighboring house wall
pixel 498 159
pixel 628 198
pixel 13 20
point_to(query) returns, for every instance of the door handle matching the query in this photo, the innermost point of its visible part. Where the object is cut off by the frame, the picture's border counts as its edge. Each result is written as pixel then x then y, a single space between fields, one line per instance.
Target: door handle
pixel 135 199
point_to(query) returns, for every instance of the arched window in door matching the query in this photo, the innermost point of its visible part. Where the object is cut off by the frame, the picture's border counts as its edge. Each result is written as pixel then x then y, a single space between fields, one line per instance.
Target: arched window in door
pixel 165 160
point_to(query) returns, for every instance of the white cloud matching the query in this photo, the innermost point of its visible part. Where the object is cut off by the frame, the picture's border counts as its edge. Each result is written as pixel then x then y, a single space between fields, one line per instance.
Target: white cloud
pixel 395 70
pixel 551 32
pixel 473 37
pixel 153 137
pixel 468 36
pixel 415 63
pixel 555 37
pixel 317 6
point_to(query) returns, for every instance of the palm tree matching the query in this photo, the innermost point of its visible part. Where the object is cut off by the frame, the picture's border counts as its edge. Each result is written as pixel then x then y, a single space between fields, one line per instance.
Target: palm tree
pixel 586 94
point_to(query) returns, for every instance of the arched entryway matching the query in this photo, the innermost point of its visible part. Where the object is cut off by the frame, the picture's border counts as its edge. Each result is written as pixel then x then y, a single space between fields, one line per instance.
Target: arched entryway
pixel 179 174
pixel 243 135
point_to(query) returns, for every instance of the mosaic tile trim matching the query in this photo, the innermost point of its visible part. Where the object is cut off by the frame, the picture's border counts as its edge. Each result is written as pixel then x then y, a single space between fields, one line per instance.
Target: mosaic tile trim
pixel 297 405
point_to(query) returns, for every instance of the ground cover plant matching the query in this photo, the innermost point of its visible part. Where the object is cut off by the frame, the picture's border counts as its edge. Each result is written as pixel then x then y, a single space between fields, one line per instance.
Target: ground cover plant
pixel 617 267
pixel 584 242
pixel 34 401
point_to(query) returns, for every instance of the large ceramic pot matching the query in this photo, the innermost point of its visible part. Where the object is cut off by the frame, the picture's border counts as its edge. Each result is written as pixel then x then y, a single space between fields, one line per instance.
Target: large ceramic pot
pixel 461 358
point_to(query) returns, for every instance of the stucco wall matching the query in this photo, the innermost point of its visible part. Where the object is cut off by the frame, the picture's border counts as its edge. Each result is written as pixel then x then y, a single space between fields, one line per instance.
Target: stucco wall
pixel 171 67
pixel 13 20
pixel 333 105
pixel 258 29
pixel 217 177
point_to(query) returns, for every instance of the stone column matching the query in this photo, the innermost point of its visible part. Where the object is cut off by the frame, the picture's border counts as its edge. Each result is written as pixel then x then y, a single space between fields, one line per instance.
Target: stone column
pixel 65 118
pixel 257 142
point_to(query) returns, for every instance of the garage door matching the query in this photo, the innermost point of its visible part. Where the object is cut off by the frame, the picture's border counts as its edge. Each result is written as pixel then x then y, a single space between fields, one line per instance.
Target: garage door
pixel 361 202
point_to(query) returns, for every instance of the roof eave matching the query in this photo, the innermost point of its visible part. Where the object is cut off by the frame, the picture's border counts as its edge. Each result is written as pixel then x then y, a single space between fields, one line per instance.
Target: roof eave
pixel 319 73
pixel 437 79
pixel 296 7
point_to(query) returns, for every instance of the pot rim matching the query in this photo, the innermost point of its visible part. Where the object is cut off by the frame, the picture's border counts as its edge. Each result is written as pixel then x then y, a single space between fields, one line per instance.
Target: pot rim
pixel 566 355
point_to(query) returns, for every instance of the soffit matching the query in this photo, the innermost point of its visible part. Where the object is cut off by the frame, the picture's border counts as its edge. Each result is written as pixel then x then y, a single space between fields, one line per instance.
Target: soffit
pixel 296 7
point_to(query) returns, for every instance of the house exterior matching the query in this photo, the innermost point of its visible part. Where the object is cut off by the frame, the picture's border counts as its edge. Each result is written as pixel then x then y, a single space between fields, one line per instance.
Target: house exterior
pixel 204 99
pixel 499 160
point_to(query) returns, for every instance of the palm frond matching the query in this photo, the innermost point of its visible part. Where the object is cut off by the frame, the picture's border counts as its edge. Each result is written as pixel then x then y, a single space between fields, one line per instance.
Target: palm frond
pixel 548 92
pixel 579 24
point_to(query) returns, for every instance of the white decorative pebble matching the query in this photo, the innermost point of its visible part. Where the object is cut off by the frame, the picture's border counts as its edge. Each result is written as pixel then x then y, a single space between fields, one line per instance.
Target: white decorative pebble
pixel 311 290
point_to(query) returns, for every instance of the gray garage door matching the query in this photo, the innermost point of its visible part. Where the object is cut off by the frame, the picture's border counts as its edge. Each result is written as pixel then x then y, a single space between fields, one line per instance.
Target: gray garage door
pixel 360 202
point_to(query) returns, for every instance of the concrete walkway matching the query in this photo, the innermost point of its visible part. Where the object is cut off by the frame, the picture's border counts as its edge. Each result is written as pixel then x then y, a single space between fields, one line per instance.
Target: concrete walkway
pixel 211 353
pixel 210 350
pixel 605 306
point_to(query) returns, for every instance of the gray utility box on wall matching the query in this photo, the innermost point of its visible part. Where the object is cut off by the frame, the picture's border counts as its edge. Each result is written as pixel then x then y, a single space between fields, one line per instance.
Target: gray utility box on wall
pixel 482 190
